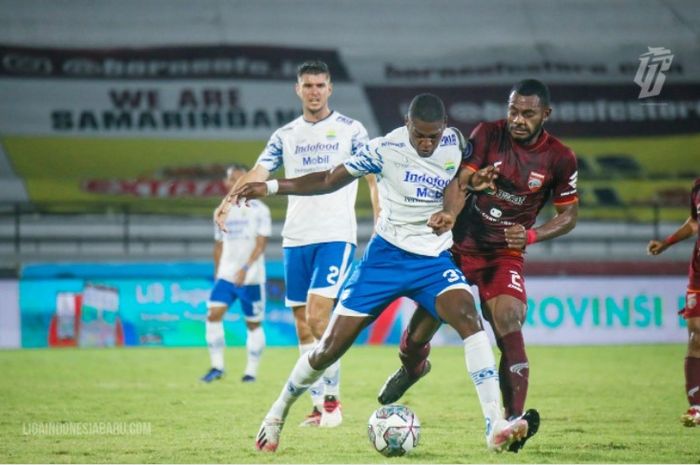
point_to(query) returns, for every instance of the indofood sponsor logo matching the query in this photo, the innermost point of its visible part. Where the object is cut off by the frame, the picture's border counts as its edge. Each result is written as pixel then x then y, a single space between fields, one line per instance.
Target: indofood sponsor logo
pixel 317 147
pixel 422 178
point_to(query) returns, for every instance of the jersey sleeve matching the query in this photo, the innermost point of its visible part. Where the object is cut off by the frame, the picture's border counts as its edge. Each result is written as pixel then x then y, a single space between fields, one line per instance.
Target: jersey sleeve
pixel 271 156
pixel 695 200
pixel 566 178
pixel 368 160
pixel 264 224
pixel 360 138
pixel 476 148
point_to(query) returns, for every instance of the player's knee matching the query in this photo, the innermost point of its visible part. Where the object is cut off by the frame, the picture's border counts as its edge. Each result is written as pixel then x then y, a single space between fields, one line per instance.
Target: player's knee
pixel 317 319
pixel 508 318
pixel 694 341
pixel 215 314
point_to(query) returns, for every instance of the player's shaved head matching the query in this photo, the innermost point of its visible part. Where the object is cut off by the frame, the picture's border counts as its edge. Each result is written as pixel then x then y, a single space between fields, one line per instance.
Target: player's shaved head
pixel 235 167
pixel 528 87
pixel 427 107
pixel 313 67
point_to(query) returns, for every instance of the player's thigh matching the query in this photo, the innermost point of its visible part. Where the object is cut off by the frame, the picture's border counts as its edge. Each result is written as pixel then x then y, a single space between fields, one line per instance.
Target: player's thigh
pixel 338 338
pixel 221 297
pixel 495 275
pixel 252 302
pixel 457 308
pixel 331 264
pixel 374 283
pixel 422 326
pixel 429 278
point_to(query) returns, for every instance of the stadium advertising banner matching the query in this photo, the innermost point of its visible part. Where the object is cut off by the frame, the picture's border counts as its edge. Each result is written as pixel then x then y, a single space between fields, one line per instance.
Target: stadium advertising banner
pixel 152 128
pixel 165 305
pixel 9 314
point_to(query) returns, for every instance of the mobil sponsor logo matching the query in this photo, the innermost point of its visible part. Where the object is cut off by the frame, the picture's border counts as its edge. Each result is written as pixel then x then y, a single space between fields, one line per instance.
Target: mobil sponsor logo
pixel 318 153
pixel 429 186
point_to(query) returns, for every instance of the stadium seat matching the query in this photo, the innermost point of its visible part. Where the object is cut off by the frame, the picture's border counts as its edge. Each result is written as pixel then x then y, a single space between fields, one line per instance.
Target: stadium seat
pixel 619 165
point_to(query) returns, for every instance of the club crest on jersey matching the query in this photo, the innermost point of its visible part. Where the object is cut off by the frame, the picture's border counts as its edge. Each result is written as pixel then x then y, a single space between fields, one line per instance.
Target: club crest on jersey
pixel 691 301
pixel 449 166
pixel 534 182
pixel 331 134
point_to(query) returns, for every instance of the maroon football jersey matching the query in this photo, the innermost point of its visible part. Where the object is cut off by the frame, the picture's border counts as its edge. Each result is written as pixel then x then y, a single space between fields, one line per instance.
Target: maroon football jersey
pixel 529 176
pixel 694 272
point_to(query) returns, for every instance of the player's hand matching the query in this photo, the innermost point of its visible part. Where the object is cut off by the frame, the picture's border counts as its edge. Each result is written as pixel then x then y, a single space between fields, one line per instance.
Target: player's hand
pixel 239 277
pixel 656 247
pixel 221 213
pixel 441 222
pixel 251 190
pixel 516 236
pixel 484 178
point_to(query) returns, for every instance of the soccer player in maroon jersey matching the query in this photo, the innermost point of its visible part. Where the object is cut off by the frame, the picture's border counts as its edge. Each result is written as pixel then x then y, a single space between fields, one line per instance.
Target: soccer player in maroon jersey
pixel 691 311
pixel 491 232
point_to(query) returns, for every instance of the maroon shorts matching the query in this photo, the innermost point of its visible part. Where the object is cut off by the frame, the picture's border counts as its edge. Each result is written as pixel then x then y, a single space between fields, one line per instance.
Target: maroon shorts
pixel 495 274
pixel 692 304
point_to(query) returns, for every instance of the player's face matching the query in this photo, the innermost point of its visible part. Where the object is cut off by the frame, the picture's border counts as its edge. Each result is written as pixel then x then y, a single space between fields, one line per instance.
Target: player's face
pixel 424 136
pixel 526 116
pixel 313 91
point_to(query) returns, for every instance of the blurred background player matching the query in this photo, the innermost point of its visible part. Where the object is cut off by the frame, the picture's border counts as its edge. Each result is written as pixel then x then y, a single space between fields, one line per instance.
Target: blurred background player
pixel 415 163
pixel 320 232
pixel 239 268
pixel 492 231
pixel 691 311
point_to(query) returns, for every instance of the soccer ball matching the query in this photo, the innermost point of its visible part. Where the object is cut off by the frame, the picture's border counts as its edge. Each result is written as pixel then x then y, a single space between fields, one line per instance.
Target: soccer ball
pixel 393 430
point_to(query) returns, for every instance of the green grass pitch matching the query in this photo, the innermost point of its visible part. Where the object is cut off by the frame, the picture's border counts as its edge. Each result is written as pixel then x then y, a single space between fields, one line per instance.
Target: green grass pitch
pixel 612 404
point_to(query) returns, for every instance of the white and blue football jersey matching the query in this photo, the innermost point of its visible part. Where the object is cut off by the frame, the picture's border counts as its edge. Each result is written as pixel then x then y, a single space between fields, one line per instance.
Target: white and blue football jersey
pixel 410 187
pixel 303 148
pixel 244 225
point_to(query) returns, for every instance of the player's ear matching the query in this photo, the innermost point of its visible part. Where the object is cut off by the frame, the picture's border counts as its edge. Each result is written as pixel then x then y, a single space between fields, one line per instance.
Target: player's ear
pixel 547 112
pixel 330 88
pixel 297 89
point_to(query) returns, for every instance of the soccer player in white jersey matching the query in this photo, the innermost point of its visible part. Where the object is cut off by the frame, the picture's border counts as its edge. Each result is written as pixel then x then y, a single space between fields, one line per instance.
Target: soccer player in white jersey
pixel 239 268
pixel 320 232
pixel 408 256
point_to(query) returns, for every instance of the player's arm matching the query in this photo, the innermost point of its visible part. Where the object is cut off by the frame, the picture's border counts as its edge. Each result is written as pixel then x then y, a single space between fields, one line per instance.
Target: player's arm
pixel 218 248
pixel 373 195
pixel 257 174
pixel 455 194
pixel 322 182
pixel 688 229
pixel 564 221
pixel 259 249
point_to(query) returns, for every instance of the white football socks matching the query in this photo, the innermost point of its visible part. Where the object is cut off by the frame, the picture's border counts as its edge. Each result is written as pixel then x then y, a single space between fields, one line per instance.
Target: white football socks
pixel 301 378
pixel 481 365
pixel 331 380
pixel 216 343
pixel 316 390
pixel 255 343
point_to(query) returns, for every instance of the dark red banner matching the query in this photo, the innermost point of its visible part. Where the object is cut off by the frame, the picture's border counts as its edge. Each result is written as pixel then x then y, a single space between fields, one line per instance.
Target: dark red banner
pixel 579 110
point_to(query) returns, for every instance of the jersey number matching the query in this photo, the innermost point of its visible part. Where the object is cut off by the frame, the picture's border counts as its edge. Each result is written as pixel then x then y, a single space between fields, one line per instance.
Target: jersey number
pixel 452 276
pixel 332 277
